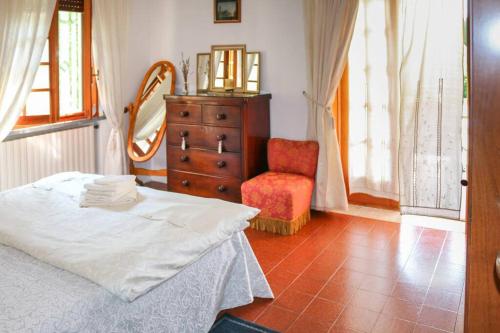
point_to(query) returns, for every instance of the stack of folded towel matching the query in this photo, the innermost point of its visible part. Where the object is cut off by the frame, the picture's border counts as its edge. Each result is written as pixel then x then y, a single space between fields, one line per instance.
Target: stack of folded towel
pixel 109 191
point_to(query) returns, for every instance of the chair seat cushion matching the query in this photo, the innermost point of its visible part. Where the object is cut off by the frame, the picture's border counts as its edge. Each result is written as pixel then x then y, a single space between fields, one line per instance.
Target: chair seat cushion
pixel 278 195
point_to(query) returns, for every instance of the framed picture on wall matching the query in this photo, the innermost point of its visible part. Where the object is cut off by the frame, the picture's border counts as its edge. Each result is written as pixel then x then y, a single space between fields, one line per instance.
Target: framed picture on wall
pixel 227 11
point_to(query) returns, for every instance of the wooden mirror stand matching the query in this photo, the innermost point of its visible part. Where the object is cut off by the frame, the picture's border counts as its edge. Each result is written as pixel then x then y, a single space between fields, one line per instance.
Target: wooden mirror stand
pixel 148 118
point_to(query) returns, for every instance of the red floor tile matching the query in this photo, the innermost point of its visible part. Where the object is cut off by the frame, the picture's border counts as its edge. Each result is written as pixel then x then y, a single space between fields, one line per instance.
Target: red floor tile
pixel 368 300
pixel 357 319
pixel 426 329
pixel 388 324
pixel 401 309
pixel 308 285
pixel 378 284
pixel 459 324
pixel 306 324
pixel 342 330
pixel 279 280
pixel 347 274
pixel 340 293
pixel 348 277
pixel 323 310
pixel 437 318
pixel 276 318
pixel 293 300
pixel 410 292
pixel 443 299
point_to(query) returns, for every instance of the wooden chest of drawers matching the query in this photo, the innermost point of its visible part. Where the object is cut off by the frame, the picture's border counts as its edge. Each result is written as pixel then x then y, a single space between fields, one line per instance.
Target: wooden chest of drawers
pixel 225 140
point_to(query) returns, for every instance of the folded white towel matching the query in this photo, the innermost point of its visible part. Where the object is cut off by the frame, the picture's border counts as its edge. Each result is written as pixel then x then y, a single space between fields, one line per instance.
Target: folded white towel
pixel 90 201
pixel 91 196
pixel 109 191
pixel 112 180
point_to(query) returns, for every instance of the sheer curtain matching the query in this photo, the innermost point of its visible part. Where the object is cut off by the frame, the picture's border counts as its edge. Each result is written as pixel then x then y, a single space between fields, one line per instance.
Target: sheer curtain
pixel 24 28
pixel 374 100
pixel 328 30
pixel 431 107
pixel 109 45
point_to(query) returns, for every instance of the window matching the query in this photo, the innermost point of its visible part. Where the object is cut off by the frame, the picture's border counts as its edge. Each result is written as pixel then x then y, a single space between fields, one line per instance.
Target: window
pixel 64 88
pixel 367 105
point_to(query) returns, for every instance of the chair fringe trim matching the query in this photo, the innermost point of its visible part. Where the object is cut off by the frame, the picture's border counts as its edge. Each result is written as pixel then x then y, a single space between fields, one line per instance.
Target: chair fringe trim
pixel 279 226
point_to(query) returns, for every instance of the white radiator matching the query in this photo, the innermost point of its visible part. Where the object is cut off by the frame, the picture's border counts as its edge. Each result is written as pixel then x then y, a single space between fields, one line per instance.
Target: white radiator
pixel 26 160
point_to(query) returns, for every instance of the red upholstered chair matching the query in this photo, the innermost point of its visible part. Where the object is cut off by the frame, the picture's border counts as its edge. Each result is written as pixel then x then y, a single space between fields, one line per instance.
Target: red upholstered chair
pixel 284 193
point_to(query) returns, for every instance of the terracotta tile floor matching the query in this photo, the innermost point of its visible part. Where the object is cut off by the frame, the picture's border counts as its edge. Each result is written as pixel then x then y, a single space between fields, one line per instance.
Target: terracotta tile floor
pixel 350 274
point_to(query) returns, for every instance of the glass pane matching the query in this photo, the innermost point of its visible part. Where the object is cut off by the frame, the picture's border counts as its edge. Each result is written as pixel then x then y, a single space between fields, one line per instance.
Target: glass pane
pixel 38 104
pixel 41 78
pixel 252 86
pixel 70 63
pixel 45 54
pixel 253 73
pixel 219 83
pixel 239 61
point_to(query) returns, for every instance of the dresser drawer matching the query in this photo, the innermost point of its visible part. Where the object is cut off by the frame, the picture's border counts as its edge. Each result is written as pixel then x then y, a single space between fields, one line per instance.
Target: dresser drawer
pixel 204 161
pixel 204 137
pixel 204 186
pixel 222 115
pixel 183 113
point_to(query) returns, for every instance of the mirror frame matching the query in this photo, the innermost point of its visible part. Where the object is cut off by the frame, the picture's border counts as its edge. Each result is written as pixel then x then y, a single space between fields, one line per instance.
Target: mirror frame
pixel 135 108
pixel 257 91
pixel 198 56
pixel 243 66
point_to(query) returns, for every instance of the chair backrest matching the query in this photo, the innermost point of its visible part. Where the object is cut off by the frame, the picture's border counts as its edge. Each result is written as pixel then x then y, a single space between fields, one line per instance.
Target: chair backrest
pixel 290 156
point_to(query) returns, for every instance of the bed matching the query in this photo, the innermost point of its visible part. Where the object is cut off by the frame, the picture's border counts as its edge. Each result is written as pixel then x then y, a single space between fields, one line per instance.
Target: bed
pixel 39 297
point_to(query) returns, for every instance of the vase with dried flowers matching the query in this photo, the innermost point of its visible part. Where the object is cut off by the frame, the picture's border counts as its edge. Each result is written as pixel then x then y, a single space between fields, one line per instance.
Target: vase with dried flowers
pixel 185 73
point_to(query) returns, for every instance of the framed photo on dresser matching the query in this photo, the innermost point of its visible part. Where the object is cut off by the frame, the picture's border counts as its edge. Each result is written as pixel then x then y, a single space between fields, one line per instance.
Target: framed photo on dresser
pixel 227 11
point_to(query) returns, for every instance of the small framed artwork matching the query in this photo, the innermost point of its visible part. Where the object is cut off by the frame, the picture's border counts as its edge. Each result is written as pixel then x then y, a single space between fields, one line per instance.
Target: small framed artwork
pixel 227 11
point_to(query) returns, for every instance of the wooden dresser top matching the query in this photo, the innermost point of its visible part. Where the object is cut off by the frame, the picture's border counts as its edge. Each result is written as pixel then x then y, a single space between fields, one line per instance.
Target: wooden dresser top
pixel 210 95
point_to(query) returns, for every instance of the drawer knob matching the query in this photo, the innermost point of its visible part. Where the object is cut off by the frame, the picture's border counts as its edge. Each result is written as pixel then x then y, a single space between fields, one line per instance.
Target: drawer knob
pixel 221 164
pixel 183 134
pixel 222 188
pixel 185 182
pixel 184 114
pixel 220 116
pixel 221 137
pixel 184 158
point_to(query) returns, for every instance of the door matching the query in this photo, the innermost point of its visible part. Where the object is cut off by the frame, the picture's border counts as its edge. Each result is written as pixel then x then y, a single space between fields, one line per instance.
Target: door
pixel 482 308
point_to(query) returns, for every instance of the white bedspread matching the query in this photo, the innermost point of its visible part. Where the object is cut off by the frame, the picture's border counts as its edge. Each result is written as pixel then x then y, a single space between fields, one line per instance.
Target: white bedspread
pixel 127 250
pixel 38 297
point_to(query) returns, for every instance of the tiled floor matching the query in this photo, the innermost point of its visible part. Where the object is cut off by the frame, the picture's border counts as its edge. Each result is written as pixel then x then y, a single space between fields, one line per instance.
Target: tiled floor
pixel 350 274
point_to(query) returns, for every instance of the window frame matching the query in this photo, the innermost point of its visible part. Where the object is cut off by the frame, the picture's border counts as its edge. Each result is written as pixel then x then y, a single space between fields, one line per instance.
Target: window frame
pixel 89 86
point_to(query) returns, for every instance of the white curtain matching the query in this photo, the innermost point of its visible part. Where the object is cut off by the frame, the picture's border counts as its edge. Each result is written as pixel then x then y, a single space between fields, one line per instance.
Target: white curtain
pixel 328 31
pixel 24 28
pixel 374 100
pixel 109 44
pixel 431 107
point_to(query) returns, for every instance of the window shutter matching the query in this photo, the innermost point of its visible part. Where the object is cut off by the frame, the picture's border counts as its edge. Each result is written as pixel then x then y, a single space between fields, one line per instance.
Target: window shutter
pixel 71 5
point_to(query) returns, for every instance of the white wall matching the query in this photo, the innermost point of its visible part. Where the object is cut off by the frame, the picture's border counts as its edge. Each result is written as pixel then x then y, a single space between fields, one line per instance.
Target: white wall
pixel 162 29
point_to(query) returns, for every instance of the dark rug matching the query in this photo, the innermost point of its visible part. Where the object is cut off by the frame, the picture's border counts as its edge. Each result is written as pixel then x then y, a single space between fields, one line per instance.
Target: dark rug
pixel 231 324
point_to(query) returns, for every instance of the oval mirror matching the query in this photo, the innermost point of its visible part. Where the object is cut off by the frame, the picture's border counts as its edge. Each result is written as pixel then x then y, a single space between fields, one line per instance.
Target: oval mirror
pixel 147 118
